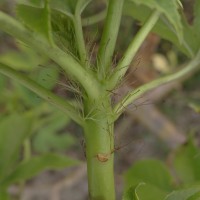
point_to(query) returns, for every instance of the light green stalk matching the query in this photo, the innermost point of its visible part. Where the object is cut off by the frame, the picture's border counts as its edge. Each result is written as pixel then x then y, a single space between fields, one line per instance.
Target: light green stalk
pixel 94 18
pixel 109 37
pixel 80 39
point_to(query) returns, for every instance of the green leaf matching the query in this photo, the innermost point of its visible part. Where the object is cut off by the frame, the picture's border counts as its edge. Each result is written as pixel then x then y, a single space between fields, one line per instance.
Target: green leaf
pixel 144 192
pixel 64 33
pixel 19 60
pixel 195 196
pixel 36 3
pixel 151 172
pixel 187 163
pixel 131 193
pixel 50 137
pixel 29 98
pixel 185 194
pixel 2 82
pixel 37 164
pixel 24 58
pixel 37 19
pixel 150 192
pixel 4 194
pixel 169 9
pixel 51 141
pixel 195 105
pixel 46 76
pixel 14 129
pixel 141 12
pixel 69 7
pixel 66 7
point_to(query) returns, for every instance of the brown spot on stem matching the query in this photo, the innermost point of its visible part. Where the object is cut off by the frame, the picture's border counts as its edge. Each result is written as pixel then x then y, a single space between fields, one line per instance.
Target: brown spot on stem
pixel 103 157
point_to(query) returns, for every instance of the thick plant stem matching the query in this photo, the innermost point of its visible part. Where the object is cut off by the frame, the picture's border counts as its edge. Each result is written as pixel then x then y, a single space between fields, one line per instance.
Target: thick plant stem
pixel 99 152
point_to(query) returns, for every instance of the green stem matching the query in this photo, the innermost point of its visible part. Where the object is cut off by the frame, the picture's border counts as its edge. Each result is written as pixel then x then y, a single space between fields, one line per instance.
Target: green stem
pixel 60 103
pixel 133 95
pixel 50 33
pixel 27 149
pixel 99 145
pixel 109 37
pixel 88 21
pixel 65 60
pixel 80 39
pixel 27 156
pixel 123 65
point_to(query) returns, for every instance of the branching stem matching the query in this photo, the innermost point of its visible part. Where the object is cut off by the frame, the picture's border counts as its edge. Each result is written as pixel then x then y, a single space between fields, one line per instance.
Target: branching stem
pixel 65 60
pixel 123 65
pixel 133 95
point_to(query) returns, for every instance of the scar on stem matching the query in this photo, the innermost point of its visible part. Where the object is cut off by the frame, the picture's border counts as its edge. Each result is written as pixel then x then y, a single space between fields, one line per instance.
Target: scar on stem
pixel 104 157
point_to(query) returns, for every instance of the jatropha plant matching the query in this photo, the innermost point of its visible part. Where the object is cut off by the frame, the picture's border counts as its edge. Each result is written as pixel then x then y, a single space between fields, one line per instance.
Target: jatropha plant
pixel 40 23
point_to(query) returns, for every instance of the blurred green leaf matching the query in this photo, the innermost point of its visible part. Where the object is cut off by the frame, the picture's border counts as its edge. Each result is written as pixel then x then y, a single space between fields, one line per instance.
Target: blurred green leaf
pixel 18 60
pixel 190 41
pixel 22 59
pixel 13 130
pixel 195 105
pixel 152 172
pixel 36 3
pixel 2 82
pixel 50 136
pixel 50 141
pixel 145 192
pixel 63 15
pixel 150 192
pixel 36 18
pixel 37 164
pixel 29 98
pixel 66 7
pixel 169 9
pixel 52 120
pixel 69 7
pixel 46 76
pixel 64 33
pixel 190 193
pixel 195 196
pixel 3 194
pixel 189 44
pixel 187 163
pixel 131 193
